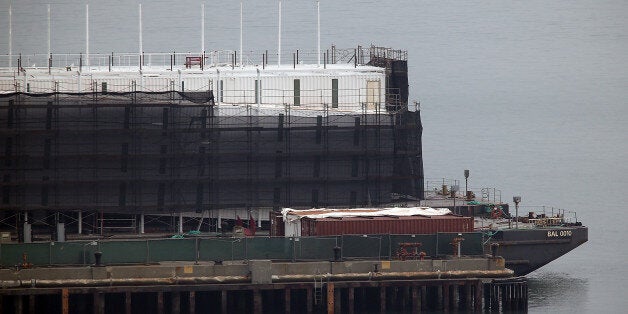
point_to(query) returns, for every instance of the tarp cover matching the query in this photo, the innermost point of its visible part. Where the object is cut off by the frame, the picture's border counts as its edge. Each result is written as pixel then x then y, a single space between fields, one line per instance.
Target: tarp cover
pixel 290 214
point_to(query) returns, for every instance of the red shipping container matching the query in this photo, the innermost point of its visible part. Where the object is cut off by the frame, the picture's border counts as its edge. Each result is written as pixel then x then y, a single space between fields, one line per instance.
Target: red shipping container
pixel 385 225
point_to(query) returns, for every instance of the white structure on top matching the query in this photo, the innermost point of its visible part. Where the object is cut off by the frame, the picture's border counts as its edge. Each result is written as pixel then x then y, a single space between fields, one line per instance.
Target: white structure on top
pixel 338 87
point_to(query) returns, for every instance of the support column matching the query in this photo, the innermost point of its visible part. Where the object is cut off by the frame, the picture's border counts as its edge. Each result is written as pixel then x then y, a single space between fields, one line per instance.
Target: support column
pixel 192 302
pixel 309 300
pixel 180 223
pixel 455 297
pixel 31 305
pixel 477 300
pixel 468 296
pixel 141 224
pixel 127 302
pixel 160 302
pixel 80 222
pixel 287 293
pixel 19 304
pixel 257 301
pixel 99 303
pixel 65 302
pixel 351 301
pixel 176 302
pixel 382 299
pixel 223 301
pixel 337 301
pixel 439 297
pixel 330 298
pixel 416 304
pixel 423 297
pixel 445 289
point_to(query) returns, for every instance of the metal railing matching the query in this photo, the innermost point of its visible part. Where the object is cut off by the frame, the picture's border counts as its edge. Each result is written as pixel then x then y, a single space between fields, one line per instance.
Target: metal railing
pixel 123 61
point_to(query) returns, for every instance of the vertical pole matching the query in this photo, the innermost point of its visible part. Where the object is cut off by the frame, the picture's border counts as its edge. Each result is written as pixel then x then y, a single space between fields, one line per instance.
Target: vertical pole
pixel 65 304
pixel 99 303
pixel 31 305
pixel 80 222
pixel 309 300
pixel 330 298
pixel 202 30
pixel 279 37
pixel 176 302
pixel 140 29
pixel 477 300
pixel 241 16
pixel 180 222
pixel 351 300
pixel 382 299
pixel 223 302
pixel 192 302
pixel 287 301
pixel 160 302
pixel 318 32
pixel 48 30
pixel 87 35
pixel 127 302
pixel 416 305
pixel 257 301
pixel 445 288
pixel 337 301
pixel 19 304
pixel 10 35
pixel 141 223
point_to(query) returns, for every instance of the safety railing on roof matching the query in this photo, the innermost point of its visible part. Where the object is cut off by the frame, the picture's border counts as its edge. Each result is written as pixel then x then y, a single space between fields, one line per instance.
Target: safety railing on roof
pixel 199 59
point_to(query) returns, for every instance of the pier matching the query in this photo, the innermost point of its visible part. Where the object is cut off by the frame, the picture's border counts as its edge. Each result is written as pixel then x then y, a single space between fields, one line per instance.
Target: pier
pixel 263 286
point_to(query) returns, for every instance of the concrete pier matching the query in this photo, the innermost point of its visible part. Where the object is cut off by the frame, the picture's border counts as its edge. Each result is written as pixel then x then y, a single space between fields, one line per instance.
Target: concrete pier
pixel 262 286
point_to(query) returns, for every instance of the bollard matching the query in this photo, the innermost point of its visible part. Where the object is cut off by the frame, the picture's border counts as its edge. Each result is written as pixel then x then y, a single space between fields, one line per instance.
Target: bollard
pixel 98 256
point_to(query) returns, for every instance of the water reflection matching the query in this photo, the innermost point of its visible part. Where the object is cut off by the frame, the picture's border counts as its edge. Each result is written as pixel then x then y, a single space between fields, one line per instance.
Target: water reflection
pixel 556 292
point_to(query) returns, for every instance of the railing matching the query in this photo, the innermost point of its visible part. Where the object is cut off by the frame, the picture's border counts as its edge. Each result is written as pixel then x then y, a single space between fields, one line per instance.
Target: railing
pixel 82 62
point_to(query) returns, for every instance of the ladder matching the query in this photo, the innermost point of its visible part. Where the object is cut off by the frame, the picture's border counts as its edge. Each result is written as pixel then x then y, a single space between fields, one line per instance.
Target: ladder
pixel 318 290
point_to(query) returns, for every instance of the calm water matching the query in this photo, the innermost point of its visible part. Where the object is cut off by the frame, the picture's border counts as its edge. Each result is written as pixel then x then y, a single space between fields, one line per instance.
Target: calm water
pixel 531 96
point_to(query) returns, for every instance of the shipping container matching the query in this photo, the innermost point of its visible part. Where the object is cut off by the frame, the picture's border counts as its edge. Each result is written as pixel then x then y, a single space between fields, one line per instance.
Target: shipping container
pixel 385 225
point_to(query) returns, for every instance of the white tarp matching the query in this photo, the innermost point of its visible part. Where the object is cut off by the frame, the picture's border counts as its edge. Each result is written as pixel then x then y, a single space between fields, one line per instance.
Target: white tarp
pixel 290 214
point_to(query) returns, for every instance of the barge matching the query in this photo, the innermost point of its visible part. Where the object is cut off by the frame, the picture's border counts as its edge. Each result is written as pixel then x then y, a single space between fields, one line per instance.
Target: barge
pixel 120 145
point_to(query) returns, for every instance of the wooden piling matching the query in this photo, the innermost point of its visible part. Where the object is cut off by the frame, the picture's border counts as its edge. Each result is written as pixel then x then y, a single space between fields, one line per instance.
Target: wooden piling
pixel 287 302
pixel 160 302
pixel 351 300
pixel 337 301
pixel 382 299
pixel 176 302
pixel 223 302
pixel 309 300
pixel 19 304
pixel 477 300
pixel 192 302
pixel 99 303
pixel 330 298
pixel 31 304
pixel 65 302
pixel 416 302
pixel 127 302
pixel 445 292
pixel 257 301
